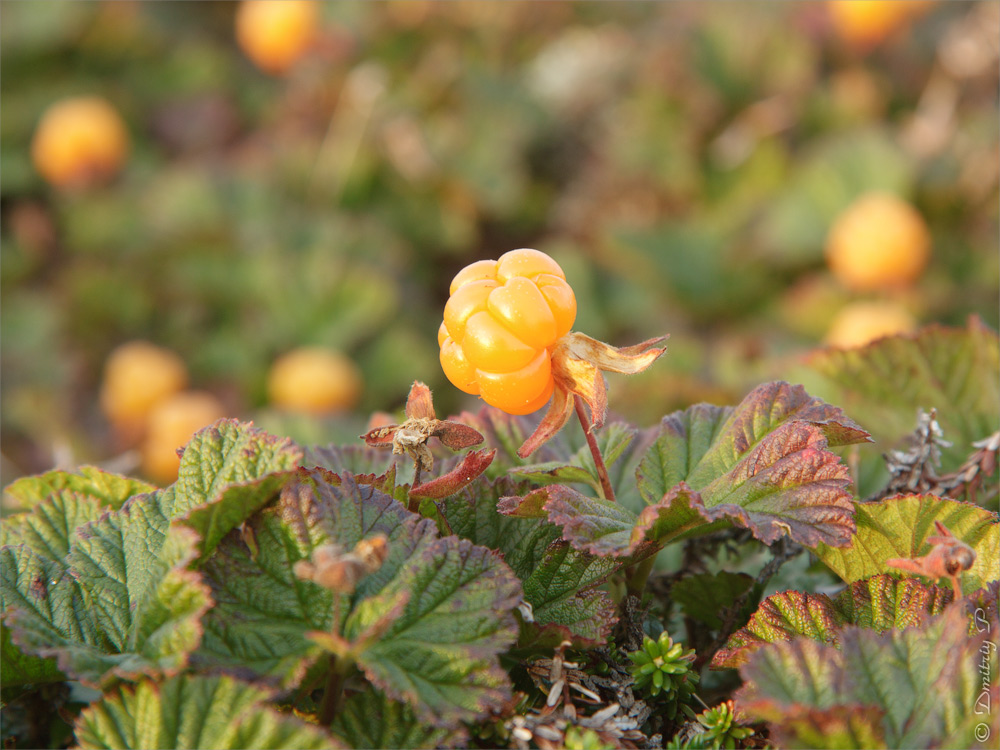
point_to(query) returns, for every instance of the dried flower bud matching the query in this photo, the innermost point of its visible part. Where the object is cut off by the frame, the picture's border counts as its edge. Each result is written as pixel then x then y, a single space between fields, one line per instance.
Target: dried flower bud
pixel 947 559
pixel 336 570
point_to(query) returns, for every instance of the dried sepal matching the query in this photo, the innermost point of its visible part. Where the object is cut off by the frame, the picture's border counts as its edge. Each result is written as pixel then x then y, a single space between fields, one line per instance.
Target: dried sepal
pixel 578 366
pixel 473 464
pixel 948 558
pixel 411 438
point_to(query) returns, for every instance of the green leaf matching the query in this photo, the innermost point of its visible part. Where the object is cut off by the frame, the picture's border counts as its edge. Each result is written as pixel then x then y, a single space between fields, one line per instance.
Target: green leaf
pixel 210 713
pixel 120 603
pixel 613 440
pixel 104 487
pixel 442 607
pixel 228 453
pixel 880 603
pixel 763 465
pixel 370 720
pixel 263 611
pixel 952 370
pixel 47 528
pixel 922 682
pixel 439 654
pixel 898 527
pixel 21 671
pixel 216 518
pixel 705 596
pixel 559 582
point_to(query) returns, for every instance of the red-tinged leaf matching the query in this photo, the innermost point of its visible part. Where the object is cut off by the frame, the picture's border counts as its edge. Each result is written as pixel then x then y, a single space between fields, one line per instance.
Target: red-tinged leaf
pixel 763 465
pixel 884 602
pixel 600 527
pixel 381 437
pixel 846 727
pixel 782 617
pixel 531 505
pixel 880 603
pixel 419 404
pixel 473 464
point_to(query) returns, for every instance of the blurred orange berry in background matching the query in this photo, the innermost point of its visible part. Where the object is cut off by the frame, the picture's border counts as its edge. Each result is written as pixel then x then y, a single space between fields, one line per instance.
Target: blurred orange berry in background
pixel 275 34
pixel 879 241
pixel 500 326
pixel 79 142
pixel 138 375
pixel 866 22
pixel 314 380
pixel 171 425
pixel 860 323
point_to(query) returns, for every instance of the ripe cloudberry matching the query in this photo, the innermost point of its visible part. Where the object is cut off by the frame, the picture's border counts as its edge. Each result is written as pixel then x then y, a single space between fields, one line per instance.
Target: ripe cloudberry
pixel 79 142
pixel 878 241
pixel 500 326
pixel 506 337
pixel 275 34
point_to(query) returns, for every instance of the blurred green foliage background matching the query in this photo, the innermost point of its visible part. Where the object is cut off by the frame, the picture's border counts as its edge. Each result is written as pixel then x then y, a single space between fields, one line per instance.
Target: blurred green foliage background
pixel 683 161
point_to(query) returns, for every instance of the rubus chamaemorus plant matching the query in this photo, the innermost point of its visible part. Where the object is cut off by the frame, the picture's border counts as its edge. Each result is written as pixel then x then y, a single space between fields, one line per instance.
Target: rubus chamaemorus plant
pixel 502 584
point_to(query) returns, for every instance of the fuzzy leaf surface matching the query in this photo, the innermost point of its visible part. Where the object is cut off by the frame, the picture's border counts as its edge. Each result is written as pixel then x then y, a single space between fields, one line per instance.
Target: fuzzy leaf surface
pixel 370 720
pixel 443 607
pixel 209 713
pixel 559 582
pixel 880 603
pixel 764 465
pixel 439 653
pixel 119 603
pixel 229 453
pixel 921 681
pixel 263 610
pixel 953 370
pixel 898 527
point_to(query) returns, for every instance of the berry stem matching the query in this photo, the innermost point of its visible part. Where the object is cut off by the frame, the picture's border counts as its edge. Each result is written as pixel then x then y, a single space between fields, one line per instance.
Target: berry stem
pixel 334 692
pixel 602 470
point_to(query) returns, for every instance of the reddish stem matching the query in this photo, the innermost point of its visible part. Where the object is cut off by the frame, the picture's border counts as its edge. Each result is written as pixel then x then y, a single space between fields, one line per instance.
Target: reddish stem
pixel 602 470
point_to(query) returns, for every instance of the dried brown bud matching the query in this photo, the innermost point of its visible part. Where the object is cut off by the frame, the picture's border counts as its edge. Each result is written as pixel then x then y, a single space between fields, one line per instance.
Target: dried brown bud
pixel 336 570
pixel 947 559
